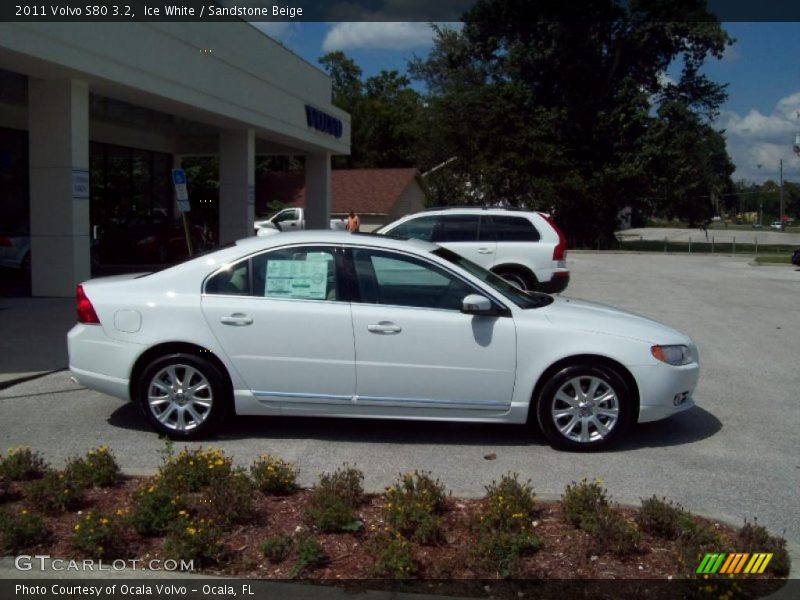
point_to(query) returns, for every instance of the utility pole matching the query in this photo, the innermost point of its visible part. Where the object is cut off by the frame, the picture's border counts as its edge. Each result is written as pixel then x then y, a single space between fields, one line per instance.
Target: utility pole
pixel 780 216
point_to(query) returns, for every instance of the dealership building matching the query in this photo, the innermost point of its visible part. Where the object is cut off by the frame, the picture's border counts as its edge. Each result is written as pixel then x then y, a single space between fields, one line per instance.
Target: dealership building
pixel 94 116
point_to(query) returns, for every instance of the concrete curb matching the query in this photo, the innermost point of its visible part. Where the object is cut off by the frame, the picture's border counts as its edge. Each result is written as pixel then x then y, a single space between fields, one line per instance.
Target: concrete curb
pixel 17 378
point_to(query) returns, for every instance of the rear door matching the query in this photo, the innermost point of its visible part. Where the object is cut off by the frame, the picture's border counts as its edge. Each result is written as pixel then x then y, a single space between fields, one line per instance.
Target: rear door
pixel 469 236
pixel 279 319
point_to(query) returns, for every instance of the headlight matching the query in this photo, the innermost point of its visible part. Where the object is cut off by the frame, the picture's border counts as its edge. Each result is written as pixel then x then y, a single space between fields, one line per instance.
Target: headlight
pixel 673 355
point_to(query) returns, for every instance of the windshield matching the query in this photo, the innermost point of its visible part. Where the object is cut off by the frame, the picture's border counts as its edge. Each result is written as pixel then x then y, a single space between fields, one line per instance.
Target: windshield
pixel 513 293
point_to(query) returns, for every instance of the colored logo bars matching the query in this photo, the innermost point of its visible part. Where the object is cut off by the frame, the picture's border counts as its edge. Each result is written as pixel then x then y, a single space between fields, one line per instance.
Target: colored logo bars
pixel 741 562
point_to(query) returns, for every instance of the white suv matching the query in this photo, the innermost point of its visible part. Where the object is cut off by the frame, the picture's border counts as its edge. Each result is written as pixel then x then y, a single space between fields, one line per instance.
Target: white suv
pixel 525 248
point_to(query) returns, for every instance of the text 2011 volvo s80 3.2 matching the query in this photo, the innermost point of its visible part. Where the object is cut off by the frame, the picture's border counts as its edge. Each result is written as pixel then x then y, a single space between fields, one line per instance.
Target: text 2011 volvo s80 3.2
pixel 319 323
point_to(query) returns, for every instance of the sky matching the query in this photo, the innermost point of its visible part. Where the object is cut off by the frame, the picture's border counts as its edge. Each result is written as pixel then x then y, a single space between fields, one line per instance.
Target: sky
pixel 762 70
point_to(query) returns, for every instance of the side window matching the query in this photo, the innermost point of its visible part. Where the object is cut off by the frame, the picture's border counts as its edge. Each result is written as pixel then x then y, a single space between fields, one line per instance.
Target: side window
pixel 514 229
pixel 287 215
pixel 458 228
pixel 399 280
pixel 302 273
pixel 420 228
pixel 233 281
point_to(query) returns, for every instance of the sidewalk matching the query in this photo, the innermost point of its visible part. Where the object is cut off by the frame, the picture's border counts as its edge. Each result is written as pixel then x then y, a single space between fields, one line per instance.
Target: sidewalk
pixel 34 336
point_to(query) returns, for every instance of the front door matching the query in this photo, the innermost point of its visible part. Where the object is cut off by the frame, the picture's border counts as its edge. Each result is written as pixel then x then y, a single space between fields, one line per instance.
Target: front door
pixel 415 349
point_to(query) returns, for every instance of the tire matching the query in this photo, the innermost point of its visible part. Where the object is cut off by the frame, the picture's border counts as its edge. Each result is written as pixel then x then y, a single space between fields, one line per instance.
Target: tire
pixel 176 411
pixel 577 425
pixel 518 278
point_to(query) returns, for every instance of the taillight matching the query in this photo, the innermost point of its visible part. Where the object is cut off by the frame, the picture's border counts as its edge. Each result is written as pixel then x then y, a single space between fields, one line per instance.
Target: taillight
pixel 560 251
pixel 86 312
pixel 4 241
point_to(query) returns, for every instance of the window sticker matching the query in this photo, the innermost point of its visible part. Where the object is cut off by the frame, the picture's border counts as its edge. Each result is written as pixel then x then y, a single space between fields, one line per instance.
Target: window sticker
pixel 297 279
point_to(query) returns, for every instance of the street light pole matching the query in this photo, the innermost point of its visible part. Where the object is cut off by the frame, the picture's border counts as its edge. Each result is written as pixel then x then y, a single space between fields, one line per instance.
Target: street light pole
pixel 780 216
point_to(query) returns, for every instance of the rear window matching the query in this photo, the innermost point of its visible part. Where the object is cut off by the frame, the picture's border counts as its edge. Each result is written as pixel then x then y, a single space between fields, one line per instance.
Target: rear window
pixel 457 228
pixel 514 229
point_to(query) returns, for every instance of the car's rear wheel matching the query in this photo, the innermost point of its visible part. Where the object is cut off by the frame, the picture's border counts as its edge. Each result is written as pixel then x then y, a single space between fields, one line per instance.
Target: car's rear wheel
pixel 184 396
pixel 584 408
pixel 519 278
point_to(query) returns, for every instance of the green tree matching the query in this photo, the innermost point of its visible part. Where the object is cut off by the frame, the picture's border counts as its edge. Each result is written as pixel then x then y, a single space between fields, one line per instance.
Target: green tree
pixel 385 114
pixel 549 104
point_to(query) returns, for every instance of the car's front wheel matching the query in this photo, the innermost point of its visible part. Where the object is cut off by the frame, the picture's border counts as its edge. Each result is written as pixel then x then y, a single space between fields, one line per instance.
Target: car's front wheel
pixel 184 396
pixel 584 408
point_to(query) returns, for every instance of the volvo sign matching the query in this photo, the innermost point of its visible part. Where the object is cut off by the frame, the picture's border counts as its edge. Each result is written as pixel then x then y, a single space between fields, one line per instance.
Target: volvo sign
pixel 323 122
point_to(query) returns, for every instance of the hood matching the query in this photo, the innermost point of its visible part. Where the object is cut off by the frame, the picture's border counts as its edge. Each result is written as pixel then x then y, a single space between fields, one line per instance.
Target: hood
pixel 601 318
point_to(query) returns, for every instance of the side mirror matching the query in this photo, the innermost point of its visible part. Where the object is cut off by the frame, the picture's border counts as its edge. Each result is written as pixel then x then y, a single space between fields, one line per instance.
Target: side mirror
pixel 474 304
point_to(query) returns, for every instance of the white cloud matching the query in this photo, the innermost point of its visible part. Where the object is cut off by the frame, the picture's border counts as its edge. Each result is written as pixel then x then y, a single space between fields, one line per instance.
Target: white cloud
pixel 277 30
pixel 757 142
pixel 388 35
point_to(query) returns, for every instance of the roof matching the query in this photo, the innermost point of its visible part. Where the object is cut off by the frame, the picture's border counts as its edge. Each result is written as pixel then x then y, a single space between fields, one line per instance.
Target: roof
pixel 364 191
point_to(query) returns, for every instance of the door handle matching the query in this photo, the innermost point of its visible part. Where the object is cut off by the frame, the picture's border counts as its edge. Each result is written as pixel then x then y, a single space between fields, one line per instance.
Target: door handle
pixel 384 328
pixel 237 320
pixel 485 251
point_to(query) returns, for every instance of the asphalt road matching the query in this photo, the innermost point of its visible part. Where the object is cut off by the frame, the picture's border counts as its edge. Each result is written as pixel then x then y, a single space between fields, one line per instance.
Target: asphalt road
pixel 734 456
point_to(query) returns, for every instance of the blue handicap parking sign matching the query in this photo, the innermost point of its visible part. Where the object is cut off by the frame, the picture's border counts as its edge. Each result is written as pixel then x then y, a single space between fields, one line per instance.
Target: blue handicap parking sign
pixel 178 176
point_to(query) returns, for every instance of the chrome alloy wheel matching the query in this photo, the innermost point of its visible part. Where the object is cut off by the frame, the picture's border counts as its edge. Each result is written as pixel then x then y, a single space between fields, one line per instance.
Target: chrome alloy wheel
pixel 585 409
pixel 180 397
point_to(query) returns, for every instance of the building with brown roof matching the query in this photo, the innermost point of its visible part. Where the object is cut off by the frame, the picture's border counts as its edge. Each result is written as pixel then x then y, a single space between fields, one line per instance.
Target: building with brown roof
pixel 377 196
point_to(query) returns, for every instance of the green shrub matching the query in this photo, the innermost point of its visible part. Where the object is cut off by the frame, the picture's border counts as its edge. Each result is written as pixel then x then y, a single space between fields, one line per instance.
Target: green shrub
pixel 274 476
pixel 694 541
pixel 412 504
pixel 99 536
pixel 753 538
pixel 584 503
pixel 155 508
pixel 335 499
pixel 393 557
pixel 22 464
pixel 192 470
pixel 346 483
pixel 97 468
pixel 497 552
pixel 229 500
pixel 277 548
pixel 197 540
pixel 5 489
pixel 20 530
pixel 55 492
pixel 661 518
pixel 309 555
pixel 613 533
pixel 510 505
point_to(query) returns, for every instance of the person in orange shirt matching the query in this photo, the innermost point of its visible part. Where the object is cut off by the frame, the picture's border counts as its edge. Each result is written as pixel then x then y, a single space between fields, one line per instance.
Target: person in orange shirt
pixel 353 223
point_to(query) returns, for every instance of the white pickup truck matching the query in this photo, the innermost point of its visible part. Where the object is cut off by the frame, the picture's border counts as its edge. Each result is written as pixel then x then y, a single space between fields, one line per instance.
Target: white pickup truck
pixel 289 219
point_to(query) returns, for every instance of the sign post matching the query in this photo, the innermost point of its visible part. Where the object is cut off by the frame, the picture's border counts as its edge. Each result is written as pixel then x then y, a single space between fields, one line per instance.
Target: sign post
pixel 182 202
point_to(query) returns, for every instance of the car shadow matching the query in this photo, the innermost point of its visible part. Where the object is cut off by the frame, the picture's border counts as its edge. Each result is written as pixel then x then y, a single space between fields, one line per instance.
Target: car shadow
pixel 691 426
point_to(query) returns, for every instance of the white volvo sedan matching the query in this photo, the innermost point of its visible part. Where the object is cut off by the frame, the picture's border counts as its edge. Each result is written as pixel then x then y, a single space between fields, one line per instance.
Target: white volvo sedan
pixel 332 324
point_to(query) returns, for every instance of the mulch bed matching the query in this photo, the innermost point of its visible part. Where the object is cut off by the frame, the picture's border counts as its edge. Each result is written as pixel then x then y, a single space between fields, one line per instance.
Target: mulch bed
pixel 566 553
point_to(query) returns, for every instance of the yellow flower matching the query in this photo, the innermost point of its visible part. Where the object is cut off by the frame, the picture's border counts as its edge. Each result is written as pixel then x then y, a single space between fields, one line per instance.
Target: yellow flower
pixel 182 512
pixel 119 512
pixel 191 530
pixel 23 512
pixel 103 521
pixel 77 526
pixel 220 462
pixel 151 489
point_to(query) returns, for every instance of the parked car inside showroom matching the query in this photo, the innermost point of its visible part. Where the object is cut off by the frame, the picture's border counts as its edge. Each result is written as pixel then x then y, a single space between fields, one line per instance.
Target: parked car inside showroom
pixel 323 323
pixel 525 248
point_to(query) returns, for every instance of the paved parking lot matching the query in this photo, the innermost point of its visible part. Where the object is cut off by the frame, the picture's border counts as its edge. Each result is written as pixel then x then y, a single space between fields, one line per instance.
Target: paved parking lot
pixel 736 455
